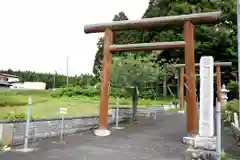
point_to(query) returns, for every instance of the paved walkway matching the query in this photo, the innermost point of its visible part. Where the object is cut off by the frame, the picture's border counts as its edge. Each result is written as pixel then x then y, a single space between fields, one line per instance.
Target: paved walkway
pixel 148 139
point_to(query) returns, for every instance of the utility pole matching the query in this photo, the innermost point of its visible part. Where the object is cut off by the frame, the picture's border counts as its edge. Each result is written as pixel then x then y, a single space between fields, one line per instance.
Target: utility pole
pixel 67 70
pixel 238 48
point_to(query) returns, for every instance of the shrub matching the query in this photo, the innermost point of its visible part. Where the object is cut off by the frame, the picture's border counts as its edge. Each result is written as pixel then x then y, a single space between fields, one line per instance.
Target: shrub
pixel 92 91
pixel 232 106
pixel 11 101
pixel 233 88
pixel 120 92
pixel 228 110
pixel 57 93
pixel 69 91
pixel 12 116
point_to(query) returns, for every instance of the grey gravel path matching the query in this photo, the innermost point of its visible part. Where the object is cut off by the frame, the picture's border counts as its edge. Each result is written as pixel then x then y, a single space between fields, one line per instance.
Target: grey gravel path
pixel 148 139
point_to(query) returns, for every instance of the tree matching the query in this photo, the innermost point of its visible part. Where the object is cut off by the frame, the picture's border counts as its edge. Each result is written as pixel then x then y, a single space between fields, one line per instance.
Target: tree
pixel 136 72
pixel 121 37
pixel 98 58
pixel 133 72
pixel 218 41
pixel 48 78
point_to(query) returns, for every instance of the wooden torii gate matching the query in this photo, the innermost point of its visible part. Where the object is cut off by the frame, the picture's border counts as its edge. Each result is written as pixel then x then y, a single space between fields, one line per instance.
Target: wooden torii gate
pixel 218 66
pixel 187 20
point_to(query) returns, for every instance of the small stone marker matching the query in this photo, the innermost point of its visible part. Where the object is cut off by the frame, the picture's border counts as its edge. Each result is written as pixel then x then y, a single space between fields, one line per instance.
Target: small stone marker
pixel 206 117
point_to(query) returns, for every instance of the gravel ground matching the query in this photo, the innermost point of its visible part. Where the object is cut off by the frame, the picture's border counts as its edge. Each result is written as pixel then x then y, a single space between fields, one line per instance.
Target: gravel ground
pixel 146 139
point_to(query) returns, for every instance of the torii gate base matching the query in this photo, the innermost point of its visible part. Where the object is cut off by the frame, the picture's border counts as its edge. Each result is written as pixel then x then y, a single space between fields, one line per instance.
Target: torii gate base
pixel 102 132
pixel 188 21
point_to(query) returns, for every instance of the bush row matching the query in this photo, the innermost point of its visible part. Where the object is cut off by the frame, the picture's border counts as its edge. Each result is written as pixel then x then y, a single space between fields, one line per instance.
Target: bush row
pixel 88 91
pixel 92 91
pixel 228 110
pixel 12 116
pixel 11 101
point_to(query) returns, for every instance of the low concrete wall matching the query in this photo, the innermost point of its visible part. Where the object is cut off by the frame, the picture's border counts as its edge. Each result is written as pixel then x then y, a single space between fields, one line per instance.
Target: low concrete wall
pixel 128 112
pixel 13 133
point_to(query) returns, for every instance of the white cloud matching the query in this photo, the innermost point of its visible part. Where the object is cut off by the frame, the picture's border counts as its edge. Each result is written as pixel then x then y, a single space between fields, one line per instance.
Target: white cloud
pixel 38 35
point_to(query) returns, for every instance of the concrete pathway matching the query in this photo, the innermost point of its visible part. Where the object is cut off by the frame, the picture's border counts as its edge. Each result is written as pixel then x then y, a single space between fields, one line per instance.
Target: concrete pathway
pixel 148 139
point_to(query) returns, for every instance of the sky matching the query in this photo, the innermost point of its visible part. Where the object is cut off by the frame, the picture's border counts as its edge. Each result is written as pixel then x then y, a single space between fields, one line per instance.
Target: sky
pixel 39 35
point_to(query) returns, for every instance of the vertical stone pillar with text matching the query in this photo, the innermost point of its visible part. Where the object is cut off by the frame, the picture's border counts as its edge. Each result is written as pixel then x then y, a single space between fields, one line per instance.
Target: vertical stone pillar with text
pixel 206 117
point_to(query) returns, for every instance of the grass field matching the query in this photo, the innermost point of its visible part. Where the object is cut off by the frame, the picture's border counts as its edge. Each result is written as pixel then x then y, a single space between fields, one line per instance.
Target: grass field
pixel 43 105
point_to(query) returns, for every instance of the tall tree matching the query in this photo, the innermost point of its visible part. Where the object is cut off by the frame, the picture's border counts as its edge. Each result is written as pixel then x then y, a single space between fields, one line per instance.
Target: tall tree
pixel 121 37
pixel 218 41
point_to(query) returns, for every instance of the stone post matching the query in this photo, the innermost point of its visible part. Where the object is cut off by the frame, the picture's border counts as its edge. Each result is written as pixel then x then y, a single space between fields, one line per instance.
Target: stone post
pixel 206 121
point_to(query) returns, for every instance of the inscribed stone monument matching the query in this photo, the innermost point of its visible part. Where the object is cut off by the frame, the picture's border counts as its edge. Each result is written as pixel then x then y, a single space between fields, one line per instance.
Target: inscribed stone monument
pixel 206 117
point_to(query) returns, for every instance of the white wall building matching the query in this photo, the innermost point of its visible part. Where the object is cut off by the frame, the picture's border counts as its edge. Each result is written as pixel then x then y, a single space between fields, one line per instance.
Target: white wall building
pixel 34 85
pixel 29 85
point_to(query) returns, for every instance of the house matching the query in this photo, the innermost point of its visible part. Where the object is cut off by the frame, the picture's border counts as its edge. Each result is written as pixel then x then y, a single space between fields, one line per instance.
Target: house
pixel 8 81
pixel 4 82
pixel 10 78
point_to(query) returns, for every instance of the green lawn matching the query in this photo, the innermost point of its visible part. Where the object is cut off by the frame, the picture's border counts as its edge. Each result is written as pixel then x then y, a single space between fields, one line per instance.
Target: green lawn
pixel 44 105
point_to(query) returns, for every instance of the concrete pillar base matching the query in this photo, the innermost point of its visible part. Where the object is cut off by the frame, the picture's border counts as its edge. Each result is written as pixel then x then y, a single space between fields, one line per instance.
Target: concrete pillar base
pixel 102 132
pixel 207 143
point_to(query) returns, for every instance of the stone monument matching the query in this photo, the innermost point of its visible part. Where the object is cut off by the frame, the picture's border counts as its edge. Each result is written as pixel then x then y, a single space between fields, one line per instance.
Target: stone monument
pixel 205 142
pixel 206 115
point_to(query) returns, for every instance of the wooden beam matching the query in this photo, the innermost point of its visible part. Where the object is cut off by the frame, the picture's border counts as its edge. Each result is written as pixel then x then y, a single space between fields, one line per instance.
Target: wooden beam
pixel 107 61
pixel 222 64
pixel 219 85
pixel 190 79
pixel 196 18
pixel 147 46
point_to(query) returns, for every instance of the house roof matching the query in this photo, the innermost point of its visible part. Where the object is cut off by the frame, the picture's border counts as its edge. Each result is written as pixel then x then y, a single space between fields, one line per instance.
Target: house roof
pixel 8 75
